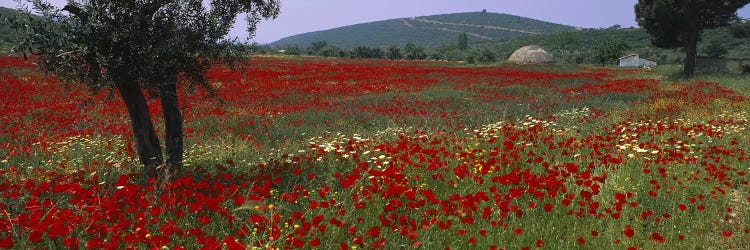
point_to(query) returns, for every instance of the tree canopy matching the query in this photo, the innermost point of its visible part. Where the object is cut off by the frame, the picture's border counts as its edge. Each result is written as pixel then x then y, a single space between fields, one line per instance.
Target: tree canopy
pixel 463 41
pixel 610 51
pixel 680 23
pixel 135 44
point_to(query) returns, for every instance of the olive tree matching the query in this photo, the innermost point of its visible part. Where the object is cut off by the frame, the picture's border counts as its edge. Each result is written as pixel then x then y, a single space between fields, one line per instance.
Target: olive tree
pixel 137 45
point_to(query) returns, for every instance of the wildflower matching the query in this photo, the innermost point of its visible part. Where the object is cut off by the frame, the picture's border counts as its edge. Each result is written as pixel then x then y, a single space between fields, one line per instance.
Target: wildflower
pixel 658 238
pixel 6 242
pixel 727 234
pixel 628 232
pixel 539 243
pixel 581 240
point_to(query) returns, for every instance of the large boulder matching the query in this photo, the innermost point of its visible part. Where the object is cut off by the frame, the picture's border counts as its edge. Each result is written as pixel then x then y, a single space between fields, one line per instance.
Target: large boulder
pixel 531 54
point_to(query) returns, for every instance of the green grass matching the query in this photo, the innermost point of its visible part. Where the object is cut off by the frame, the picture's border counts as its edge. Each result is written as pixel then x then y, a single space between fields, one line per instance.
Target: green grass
pixel 601 146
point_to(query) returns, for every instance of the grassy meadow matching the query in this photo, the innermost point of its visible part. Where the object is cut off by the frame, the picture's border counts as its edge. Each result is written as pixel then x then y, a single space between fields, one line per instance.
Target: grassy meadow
pixel 304 152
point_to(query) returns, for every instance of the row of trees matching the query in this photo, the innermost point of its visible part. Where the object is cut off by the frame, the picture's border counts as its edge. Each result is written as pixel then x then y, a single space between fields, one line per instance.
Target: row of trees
pixel 458 51
pixel 322 48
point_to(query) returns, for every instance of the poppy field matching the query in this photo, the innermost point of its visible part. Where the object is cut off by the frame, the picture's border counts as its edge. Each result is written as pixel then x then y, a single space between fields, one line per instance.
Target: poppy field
pixel 304 153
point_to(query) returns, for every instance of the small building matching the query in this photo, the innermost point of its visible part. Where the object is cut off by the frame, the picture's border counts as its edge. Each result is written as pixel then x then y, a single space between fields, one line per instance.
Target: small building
pixel 635 60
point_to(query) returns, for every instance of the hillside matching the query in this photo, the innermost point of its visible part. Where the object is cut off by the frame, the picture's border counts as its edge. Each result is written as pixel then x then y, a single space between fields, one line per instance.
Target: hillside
pixel 578 46
pixel 7 35
pixel 428 31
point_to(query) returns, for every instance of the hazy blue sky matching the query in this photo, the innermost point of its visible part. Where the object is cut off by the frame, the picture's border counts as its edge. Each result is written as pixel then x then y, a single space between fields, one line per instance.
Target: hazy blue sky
pixel 300 16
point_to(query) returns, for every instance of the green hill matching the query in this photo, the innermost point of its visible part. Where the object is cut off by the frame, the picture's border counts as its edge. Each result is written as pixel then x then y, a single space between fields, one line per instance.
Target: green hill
pixel 427 31
pixel 7 34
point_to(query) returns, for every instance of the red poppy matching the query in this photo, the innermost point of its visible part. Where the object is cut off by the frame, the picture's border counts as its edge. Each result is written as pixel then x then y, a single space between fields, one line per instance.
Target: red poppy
pixel 205 220
pixel 35 236
pixel 57 229
pixel 374 232
pixel 581 240
pixel 6 242
pixel 314 242
pixel 71 242
pixel 628 231
pixel 658 238
pixel 548 207
pixel 539 243
pixel 726 233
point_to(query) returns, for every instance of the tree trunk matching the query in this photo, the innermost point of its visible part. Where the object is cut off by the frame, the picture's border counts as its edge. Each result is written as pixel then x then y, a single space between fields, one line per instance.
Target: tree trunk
pixel 146 140
pixel 691 51
pixel 173 126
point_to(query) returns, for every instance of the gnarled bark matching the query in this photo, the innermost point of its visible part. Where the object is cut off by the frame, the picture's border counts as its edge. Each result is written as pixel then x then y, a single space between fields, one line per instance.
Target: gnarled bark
pixel 173 126
pixel 146 140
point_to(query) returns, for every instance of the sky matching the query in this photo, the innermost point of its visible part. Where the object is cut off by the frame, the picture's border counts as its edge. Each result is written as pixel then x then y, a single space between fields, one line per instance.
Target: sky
pixel 300 16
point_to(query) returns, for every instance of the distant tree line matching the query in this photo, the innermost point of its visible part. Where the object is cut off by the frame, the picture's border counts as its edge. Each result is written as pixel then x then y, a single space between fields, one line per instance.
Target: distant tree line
pixel 322 48
pixel 458 51
pixel 588 46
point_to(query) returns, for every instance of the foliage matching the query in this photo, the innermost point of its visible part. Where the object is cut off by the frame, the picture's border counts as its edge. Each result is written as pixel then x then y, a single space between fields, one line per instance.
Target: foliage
pixel 137 44
pixel 610 51
pixel 316 47
pixel 714 48
pixel 292 50
pixel 487 55
pixel 8 35
pixel 253 48
pixel 414 52
pixel 471 57
pixel 671 24
pixel 463 41
pixel 680 24
pixel 366 52
pixel 567 41
pixel 394 52
pixel 740 29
